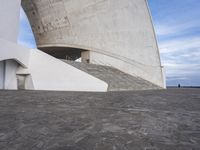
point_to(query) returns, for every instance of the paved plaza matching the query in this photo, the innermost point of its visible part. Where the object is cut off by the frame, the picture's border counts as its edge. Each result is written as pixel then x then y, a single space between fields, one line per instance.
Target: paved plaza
pixel 140 120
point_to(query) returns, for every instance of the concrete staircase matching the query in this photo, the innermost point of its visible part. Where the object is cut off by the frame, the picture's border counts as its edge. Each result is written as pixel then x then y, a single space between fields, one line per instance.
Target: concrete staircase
pixel 116 79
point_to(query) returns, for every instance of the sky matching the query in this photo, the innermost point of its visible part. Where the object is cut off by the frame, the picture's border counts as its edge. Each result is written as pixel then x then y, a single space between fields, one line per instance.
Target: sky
pixel 177 26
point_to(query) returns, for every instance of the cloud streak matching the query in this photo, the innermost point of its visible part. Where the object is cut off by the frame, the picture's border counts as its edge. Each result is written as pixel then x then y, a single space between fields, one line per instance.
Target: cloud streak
pixel 178 28
pixel 180 45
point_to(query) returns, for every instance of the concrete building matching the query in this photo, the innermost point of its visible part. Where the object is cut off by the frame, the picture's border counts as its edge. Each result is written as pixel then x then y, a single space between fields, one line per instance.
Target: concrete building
pixel 118 33
pixel 23 68
pixel 114 33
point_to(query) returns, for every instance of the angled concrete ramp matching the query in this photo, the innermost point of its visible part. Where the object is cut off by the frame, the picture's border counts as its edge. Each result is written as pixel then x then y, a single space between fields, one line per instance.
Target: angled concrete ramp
pixel 49 73
pixel 116 79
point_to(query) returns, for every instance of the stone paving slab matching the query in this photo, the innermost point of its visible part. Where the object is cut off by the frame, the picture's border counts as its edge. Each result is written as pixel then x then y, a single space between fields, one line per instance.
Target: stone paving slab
pixel 140 120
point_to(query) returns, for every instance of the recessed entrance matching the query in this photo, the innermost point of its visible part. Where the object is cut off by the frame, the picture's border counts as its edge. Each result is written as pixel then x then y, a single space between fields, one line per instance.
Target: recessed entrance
pixel 63 52
pixel 21 80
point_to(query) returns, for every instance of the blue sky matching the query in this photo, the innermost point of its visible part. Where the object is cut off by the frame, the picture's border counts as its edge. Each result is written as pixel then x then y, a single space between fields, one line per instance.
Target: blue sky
pixel 177 25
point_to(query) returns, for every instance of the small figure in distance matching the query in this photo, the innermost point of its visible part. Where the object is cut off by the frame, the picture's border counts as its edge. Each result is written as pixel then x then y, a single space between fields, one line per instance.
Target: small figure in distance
pixel 179 86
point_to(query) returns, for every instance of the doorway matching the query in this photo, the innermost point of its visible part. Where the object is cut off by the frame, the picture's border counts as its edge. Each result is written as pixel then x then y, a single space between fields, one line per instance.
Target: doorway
pixel 21 80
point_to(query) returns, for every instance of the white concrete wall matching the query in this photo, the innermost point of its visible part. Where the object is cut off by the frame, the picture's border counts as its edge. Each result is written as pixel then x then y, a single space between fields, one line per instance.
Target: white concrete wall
pixel 116 28
pixel 10 50
pixel 29 83
pixel 9 27
pixel 9 16
pixel 10 81
pixel 1 74
pixel 13 55
pixel 164 77
pixel 49 73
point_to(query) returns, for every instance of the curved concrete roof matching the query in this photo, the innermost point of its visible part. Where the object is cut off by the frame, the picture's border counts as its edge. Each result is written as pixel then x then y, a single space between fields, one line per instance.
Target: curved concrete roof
pixel 119 32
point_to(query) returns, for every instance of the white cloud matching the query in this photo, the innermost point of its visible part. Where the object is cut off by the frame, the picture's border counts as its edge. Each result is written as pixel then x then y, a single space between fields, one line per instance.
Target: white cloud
pixel 178 27
pixel 179 44
pixel 182 70
pixel 184 74
pixel 181 58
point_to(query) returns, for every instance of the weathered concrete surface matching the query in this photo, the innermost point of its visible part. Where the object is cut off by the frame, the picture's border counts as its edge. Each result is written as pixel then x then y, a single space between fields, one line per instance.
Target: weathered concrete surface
pixel 116 79
pixel 145 120
pixel 118 33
